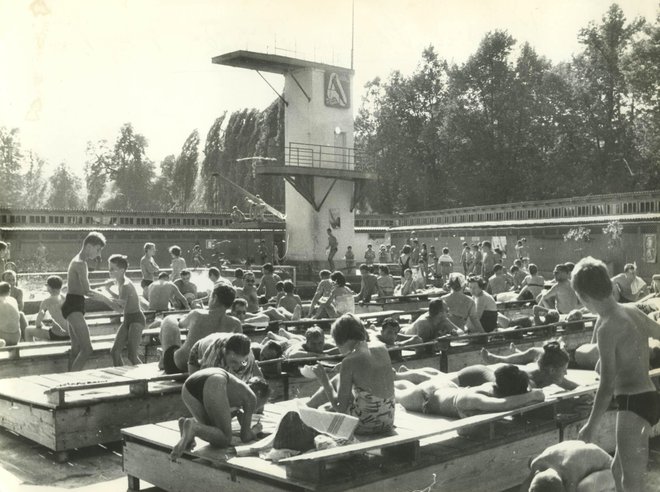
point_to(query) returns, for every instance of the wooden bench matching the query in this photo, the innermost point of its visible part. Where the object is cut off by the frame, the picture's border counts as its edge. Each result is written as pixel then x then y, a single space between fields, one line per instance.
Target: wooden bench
pixel 420 448
pixel 30 358
pixel 72 410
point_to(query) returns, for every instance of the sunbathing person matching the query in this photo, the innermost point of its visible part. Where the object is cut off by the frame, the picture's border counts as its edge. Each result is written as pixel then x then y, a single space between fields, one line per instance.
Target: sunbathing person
pixel 364 387
pixel 213 396
pixel 440 396
pixel 338 301
pixel 390 335
pixel 433 324
pixel 313 344
pixel 229 351
pixel 545 365
pixel 59 329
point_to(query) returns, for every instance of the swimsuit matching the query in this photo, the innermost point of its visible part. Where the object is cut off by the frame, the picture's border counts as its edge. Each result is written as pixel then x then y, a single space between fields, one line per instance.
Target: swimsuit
pixel 376 414
pixel 73 303
pixel 137 317
pixel 169 365
pixel 55 337
pixel 646 405
pixel 489 321
pixel 195 383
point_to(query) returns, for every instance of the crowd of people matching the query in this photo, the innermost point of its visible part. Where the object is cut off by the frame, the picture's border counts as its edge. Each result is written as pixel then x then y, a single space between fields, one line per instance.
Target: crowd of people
pixel 224 365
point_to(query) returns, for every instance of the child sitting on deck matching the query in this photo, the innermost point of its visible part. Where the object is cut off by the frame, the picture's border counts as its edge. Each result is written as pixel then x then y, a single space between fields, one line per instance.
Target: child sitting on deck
pixel 323 290
pixel 364 387
pixel 407 285
pixel 52 305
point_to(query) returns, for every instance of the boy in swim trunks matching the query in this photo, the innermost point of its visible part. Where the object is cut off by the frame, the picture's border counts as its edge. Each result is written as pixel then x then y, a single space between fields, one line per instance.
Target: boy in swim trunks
pixel 78 287
pixel 622 333
pixel 52 305
pixel 178 263
pixel 149 268
pixel 129 333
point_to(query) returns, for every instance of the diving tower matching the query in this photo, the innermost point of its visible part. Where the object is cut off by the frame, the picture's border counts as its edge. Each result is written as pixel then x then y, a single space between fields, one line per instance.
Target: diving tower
pixel 325 178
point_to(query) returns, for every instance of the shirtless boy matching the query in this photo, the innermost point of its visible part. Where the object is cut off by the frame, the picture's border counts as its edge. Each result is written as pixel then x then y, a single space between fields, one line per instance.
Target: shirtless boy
pixel 622 333
pixel 199 324
pixel 149 268
pixel 561 296
pixel 73 309
pixel 162 292
pixel 52 305
pixel 130 331
pixel 178 263
pixel 10 330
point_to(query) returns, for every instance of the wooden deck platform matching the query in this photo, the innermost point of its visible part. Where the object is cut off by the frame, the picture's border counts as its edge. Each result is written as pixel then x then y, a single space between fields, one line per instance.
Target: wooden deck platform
pixel 31 358
pixel 496 445
pixel 72 410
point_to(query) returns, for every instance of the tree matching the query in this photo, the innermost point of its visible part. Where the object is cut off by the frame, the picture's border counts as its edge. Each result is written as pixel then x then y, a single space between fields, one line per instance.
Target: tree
pixel 65 189
pixel 132 173
pixel 97 166
pixel 185 171
pixel 34 187
pixel 11 157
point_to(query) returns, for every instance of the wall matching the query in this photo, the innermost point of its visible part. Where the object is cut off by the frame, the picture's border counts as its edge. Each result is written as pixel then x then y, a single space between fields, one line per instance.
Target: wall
pixel 312 122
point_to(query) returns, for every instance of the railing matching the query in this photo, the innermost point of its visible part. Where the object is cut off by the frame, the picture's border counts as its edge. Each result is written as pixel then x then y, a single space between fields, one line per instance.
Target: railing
pixel 326 156
pixel 589 206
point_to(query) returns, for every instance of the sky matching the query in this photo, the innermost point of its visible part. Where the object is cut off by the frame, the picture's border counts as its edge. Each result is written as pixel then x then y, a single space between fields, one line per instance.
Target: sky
pixel 73 71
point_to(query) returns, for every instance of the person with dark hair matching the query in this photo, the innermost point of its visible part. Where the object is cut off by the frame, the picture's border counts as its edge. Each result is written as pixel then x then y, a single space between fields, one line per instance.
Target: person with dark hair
pixel 439 395
pixel 369 255
pixel 162 293
pixel 433 324
pixel 268 281
pixel 532 285
pixel 622 332
pixel 488 260
pixel 323 290
pixel 404 258
pixel 339 299
pixel 628 287
pixel 212 397
pixel 78 287
pixel 486 308
pixel 477 260
pixel 545 365
pixel 446 263
pixel 230 351
pixel 296 346
pixel 349 257
pixel 561 296
pixel 368 284
pixel 407 285
pixel 200 323
pixel 238 278
pixel 384 282
pixel 364 387
pixel 148 267
pixel 214 274
pixel 188 289
pixel 466 259
pixel 290 300
pixel 499 282
pixel 178 262
pixel 460 306
pixel 59 329
pixel 390 335
pixel 129 333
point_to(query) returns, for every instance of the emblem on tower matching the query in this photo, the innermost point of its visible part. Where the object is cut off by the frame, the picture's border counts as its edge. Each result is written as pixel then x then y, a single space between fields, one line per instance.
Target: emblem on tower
pixel 337 90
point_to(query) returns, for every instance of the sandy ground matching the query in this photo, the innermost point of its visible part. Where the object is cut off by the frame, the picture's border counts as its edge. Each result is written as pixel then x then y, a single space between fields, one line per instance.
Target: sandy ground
pixel 28 467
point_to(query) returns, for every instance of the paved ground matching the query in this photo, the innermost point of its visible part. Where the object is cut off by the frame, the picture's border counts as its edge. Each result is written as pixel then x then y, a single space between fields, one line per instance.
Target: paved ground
pixel 28 467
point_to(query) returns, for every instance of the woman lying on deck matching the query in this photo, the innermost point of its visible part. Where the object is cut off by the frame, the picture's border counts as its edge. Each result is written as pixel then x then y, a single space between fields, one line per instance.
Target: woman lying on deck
pixel 213 396
pixel 440 396
pixel 544 366
pixel 364 387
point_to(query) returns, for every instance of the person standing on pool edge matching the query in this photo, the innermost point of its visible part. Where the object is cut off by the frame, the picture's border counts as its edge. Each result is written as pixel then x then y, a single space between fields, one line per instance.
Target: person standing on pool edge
pixel 622 332
pixel 78 287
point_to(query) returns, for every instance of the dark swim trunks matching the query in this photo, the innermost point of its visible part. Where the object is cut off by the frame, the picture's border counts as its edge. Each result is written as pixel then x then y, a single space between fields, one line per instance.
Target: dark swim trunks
pixel 73 303
pixel 646 405
pixel 195 384
pixel 137 317
pixel 57 338
pixel 489 321
pixel 169 365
